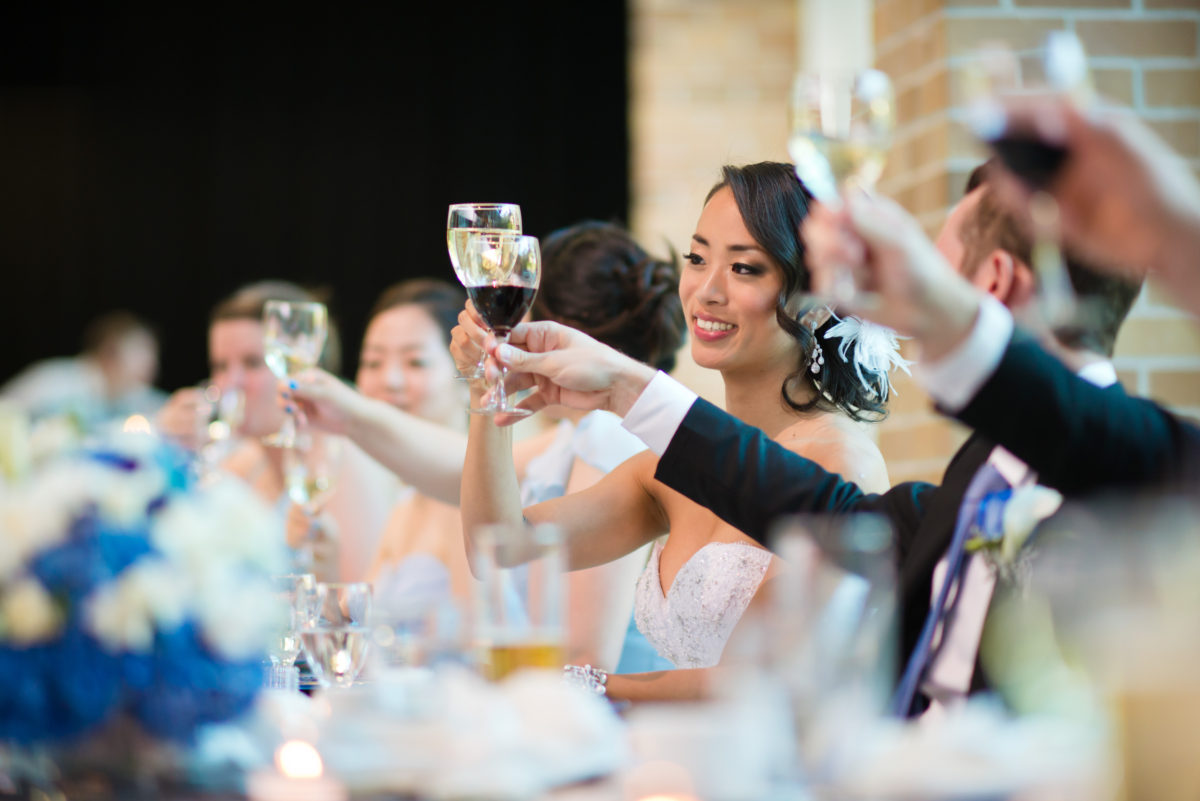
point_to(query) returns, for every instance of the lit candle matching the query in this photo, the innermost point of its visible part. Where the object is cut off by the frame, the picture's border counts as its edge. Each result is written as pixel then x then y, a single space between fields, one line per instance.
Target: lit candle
pixel 297 776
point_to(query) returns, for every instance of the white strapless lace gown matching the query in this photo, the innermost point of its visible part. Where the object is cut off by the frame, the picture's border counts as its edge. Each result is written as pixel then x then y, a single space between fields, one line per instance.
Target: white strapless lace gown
pixel 691 622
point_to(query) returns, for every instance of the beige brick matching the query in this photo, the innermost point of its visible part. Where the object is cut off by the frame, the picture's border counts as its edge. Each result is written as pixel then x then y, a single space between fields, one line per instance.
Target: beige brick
pixel 1152 337
pixel 1176 388
pixel 1152 5
pixel 964 35
pixel 972 3
pixel 928 97
pixel 935 438
pixel 893 17
pixel 908 398
pixel 1141 38
pixel 925 47
pixel 1072 3
pixel 962 143
pixel 1182 135
pixel 1129 380
pixel 1115 85
pixel 1178 87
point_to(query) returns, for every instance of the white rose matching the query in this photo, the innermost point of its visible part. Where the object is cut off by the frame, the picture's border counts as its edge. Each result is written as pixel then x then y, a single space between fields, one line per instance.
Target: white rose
pixel 1027 507
pixel 146 596
pixel 28 615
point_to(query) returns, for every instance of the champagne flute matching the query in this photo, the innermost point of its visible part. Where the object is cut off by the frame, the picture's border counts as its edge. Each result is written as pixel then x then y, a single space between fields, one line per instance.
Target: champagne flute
pixel 310 468
pixel 993 74
pixel 293 336
pixel 842 123
pixel 478 217
pixel 219 415
pixel 502 270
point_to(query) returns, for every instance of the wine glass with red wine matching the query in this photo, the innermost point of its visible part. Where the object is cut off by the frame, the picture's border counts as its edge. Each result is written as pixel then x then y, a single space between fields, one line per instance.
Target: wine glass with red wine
pixel 501 271
pixel 478 217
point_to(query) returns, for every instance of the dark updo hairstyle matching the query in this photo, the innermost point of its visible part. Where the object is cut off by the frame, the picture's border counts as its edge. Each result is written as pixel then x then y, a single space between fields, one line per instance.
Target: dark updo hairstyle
pixel 441 300
pixel 597 279
pixel 773 203
pixel 248 303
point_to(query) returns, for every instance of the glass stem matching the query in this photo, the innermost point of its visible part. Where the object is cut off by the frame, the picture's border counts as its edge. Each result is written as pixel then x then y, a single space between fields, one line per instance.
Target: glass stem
pixel 499 392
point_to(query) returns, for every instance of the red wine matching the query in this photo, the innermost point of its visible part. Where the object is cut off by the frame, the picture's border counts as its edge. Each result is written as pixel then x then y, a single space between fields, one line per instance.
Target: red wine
pixel 502 306
pixel 1032 160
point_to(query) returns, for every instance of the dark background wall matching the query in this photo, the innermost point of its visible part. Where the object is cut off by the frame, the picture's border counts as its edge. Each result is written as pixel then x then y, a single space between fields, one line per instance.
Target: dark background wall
pixel 156 160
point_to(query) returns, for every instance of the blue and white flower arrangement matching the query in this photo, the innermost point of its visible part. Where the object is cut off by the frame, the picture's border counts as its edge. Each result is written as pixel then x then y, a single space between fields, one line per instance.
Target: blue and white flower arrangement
pixel 128 591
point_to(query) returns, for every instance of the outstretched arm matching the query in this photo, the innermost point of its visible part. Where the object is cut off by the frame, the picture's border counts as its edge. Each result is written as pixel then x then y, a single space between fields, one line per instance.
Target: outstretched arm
pixel 425 455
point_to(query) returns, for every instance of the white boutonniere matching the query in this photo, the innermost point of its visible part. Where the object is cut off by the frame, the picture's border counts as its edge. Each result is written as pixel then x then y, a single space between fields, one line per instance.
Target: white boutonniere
pixel 1004 522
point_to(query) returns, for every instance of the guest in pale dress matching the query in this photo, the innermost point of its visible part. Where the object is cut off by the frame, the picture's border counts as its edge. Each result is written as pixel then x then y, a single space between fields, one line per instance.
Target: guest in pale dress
pixel 784 371
pixel 410 415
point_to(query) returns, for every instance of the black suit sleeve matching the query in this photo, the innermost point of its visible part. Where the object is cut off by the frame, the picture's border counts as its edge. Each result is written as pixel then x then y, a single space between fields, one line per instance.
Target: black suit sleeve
pixel 748 480
pixel 1077 436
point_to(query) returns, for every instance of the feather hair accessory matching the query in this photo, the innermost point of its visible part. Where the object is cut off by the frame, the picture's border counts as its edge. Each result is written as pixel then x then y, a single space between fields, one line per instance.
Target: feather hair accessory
pixel 876 352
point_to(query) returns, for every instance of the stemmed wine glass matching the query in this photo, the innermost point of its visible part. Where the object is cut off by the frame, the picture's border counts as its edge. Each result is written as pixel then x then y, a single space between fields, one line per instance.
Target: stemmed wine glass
pixel 842 123
pixel 993 74
pixel 478 217
pixel 336 643
pixel 501 272
pixel 293 336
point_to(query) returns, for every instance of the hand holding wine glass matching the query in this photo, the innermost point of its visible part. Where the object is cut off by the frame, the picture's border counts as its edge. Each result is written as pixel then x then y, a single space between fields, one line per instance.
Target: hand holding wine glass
pixel 502 270
pixel 842 122
pixel 293 337
pixel 478 217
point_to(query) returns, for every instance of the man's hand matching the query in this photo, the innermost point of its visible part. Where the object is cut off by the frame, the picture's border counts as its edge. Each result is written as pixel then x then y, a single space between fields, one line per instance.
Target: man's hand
pixel 903 281
pixel 1126 200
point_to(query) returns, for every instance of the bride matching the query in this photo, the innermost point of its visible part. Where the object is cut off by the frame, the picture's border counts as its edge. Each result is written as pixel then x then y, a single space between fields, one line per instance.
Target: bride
pixel 792 374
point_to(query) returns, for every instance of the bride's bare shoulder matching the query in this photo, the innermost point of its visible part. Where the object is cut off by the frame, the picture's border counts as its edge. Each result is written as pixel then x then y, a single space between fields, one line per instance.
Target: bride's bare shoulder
pixel 841 446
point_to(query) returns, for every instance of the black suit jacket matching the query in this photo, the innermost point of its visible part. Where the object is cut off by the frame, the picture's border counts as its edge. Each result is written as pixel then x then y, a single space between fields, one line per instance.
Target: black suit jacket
pixel 1077 436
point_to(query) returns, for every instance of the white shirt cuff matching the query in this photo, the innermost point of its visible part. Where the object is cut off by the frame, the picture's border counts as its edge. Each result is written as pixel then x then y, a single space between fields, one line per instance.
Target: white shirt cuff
pixel 659 411
pixel 954 379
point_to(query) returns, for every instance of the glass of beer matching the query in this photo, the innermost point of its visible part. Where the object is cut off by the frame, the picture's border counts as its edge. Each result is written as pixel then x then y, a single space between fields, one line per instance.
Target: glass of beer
pixel 520 598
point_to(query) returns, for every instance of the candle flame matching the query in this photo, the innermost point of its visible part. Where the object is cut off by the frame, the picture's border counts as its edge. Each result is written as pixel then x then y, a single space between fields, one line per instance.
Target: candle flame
pixel 137 424
pixel 298 760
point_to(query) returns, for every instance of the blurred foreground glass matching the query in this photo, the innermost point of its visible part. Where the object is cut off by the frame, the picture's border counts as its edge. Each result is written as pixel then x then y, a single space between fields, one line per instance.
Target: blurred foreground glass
pixel 309 469
pixel 834 633
pixel 994 73
pixel 520 598
pixel 842 123
pixel 337 642
pixel 218 419
pixel 1108 615
pixel 293 338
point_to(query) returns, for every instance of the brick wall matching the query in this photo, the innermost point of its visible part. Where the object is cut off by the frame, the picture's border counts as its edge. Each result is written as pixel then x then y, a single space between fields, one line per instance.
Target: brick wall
pixel 710 82
pixel 1143 54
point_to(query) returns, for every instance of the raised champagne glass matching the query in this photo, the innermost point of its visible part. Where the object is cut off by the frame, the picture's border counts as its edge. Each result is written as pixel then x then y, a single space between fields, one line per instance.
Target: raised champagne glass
pixel 842 123
pixel 293 337
pixel 502 271
pixel 478 217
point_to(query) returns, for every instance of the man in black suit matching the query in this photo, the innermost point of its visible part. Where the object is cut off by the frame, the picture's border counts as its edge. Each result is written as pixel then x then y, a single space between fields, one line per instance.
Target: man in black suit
pixel 737 472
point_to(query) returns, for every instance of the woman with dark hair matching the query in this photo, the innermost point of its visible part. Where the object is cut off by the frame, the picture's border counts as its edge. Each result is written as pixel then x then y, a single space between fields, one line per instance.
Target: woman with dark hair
pixel 802 376
pixel 596 277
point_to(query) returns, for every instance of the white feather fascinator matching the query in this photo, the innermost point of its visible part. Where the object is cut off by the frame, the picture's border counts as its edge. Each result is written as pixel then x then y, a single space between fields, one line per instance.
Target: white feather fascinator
pixel 876 352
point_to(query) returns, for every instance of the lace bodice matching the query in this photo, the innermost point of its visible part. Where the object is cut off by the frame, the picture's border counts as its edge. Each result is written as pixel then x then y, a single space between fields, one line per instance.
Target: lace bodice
pixel 690 623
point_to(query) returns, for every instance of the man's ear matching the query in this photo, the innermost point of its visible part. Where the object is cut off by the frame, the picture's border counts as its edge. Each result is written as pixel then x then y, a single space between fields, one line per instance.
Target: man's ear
pixel 997 275
pixel 1023 289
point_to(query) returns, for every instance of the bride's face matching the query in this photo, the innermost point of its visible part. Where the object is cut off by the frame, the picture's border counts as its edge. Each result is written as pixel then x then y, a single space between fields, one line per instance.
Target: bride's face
pixel 729 288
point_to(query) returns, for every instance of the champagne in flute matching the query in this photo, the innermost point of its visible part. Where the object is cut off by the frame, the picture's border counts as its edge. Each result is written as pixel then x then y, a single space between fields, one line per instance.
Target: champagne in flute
pixel 842 122
pixel 309 470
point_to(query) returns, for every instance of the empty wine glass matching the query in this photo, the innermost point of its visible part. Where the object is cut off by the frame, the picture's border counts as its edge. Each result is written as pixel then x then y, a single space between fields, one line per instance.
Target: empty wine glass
pixel 502 271
pixel 293 337
pixel 842 123
pixel 478 217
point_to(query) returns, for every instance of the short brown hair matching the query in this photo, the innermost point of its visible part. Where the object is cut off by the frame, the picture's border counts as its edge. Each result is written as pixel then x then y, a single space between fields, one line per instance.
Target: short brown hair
pixel 1105 297
pixel 248 303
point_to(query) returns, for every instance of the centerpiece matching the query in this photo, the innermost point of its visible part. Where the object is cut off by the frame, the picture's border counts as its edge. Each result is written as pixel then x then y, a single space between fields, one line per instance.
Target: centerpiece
pixel 132 600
